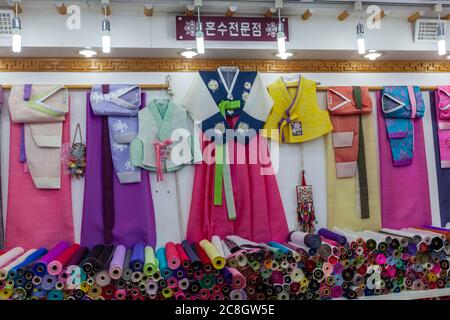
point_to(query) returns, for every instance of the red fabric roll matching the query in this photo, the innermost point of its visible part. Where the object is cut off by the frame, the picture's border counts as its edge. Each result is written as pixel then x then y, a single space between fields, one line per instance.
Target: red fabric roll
pixel 184 259
pixel 173 260
pixel 202 254
pixel 64 257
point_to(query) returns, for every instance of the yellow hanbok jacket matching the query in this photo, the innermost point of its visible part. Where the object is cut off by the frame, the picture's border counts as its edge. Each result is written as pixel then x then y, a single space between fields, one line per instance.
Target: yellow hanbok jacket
pixel 296 116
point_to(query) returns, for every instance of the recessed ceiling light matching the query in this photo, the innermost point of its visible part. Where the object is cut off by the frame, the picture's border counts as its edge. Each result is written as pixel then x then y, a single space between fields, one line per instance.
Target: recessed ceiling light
pixel 448 56
pixel 284 55
pixel 373 54
pixel 188 53
pixel 87 52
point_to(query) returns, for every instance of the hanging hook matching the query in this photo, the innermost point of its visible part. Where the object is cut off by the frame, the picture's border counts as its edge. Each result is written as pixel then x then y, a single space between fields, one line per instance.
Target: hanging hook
pixel 169 85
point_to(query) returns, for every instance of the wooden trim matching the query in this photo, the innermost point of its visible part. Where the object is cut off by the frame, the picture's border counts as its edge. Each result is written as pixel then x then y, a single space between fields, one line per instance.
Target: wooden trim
pixel 184 65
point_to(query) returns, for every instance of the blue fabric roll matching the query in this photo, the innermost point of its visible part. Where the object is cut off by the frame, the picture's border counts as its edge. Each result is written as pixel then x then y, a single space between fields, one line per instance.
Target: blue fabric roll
pixel 30 259
pixel 137 257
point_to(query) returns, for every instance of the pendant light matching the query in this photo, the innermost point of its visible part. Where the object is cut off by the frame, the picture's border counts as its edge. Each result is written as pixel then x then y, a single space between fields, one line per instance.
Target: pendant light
pixel 199 36
pixel 16 31
pixel 440 35
pixel 281 36
pixel 106 32
pixel 360 38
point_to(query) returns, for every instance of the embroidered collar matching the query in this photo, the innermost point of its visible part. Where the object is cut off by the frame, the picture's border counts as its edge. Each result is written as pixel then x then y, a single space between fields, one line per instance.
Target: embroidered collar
pixel 163 121
pixel 342 96
pixel 38 103
pixel 228 89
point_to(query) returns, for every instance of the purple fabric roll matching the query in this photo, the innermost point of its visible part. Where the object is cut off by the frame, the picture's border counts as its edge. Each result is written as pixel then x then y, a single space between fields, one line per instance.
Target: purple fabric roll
pixel 133 204
pixel 2 233
pixel 332 236
pixel 436 228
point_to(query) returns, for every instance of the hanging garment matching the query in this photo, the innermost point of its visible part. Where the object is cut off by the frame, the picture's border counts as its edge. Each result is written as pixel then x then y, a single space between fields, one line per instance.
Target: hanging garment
pixel 36 217
pixel 296 116
pixel 120 103
pixel 343 194
pixel 127 217
pixel 438 101
pixel 346 106
pixel 442 96
pixel 399 105
pixel 42 109
pixel 405 198
pixel 233 166
pixel 2 234
pixel 163 127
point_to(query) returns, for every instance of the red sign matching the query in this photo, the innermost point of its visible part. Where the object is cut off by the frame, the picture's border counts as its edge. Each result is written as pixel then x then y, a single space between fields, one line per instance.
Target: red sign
pixel 231 28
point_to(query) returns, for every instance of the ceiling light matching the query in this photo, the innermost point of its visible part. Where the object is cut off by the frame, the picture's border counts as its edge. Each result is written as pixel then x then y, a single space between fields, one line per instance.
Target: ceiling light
pixel 284 55
pixel 199 36
pixel 360 38
pixel 188 53
pixel 281 36
pixel 16 31
pixel 106 30
pixel 441 39
pixel 373 54
pixel 448 56
pixel 87 52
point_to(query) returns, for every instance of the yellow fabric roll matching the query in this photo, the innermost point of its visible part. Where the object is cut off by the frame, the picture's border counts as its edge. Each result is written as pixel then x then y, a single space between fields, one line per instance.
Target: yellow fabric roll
pixel 343 194
pixel 306 120
pixel 150 264
pixel 213 254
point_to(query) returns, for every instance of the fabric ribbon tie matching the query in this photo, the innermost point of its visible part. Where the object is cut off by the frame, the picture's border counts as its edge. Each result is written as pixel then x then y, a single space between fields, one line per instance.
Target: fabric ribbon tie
pixel 222 172
pixel 159 145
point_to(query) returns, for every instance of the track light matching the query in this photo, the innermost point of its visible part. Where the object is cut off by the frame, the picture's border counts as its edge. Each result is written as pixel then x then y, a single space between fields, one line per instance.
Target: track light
pixel 281 36
pixel 441 39
pixel 199 36
pixel 16 31
pixel 360 38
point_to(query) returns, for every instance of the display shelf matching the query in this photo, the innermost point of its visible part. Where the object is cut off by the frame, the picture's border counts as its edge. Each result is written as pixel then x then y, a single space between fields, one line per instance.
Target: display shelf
pixel 410 295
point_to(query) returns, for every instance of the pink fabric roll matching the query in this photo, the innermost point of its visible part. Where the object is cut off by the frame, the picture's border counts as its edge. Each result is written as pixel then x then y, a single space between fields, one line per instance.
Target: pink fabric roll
pixel 405 198
pixel 36 217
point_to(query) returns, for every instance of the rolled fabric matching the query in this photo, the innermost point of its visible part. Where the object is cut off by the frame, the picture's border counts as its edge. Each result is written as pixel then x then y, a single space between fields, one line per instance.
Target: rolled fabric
pixel 195 260
pixel 443 231
pixel 5 269
pixel 184 259
pixel 310 240
pixel 206 262
pixel 78 256
pixel 20 268
pixel 10 255
pixel 226 250
pixel 332 236
pixel 91 258
pixel 238 295
pixel 151 264
pixel 40 267
pixel 173 260
pixel 48 282
pixel 239 281
pixel 102 278
pixel 56 265
pixel 117 263
pixel 127 272
pixel 217 242
pixel 162 262
pixel 213 254
pixel 137 258
pixel 279 246
pixel 105 257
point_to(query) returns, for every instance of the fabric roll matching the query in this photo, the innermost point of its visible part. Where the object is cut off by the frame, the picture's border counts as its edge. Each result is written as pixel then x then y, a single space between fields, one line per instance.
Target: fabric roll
pixel 217 242
pixel 137 258
pixel 151 264
pixel 173 259
pixel 117 262
pixel 54 221
pixel 310 240
pixel 40 267
pixel 397 210
pixel 195 260
pixel 57 264
pixel 126 265
pixel 76 259
pixel 134 220
pixel 5 269
pixel 344 209
pixel 213 254
pixel 184 259
pixel 332 235
pixel 440 138
pixel 10 255
pixel 162 260
pixel 35 255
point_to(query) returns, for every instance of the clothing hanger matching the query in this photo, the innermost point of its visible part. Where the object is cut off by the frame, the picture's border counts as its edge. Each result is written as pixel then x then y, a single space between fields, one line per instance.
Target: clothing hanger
pixel 166 93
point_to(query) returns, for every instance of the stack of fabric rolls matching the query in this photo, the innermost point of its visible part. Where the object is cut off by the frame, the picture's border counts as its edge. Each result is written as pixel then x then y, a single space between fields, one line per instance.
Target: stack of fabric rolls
pixel 330 264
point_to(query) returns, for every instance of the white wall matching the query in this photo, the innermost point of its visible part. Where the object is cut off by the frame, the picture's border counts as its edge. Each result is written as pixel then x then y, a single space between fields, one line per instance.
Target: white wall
pixel 164 193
